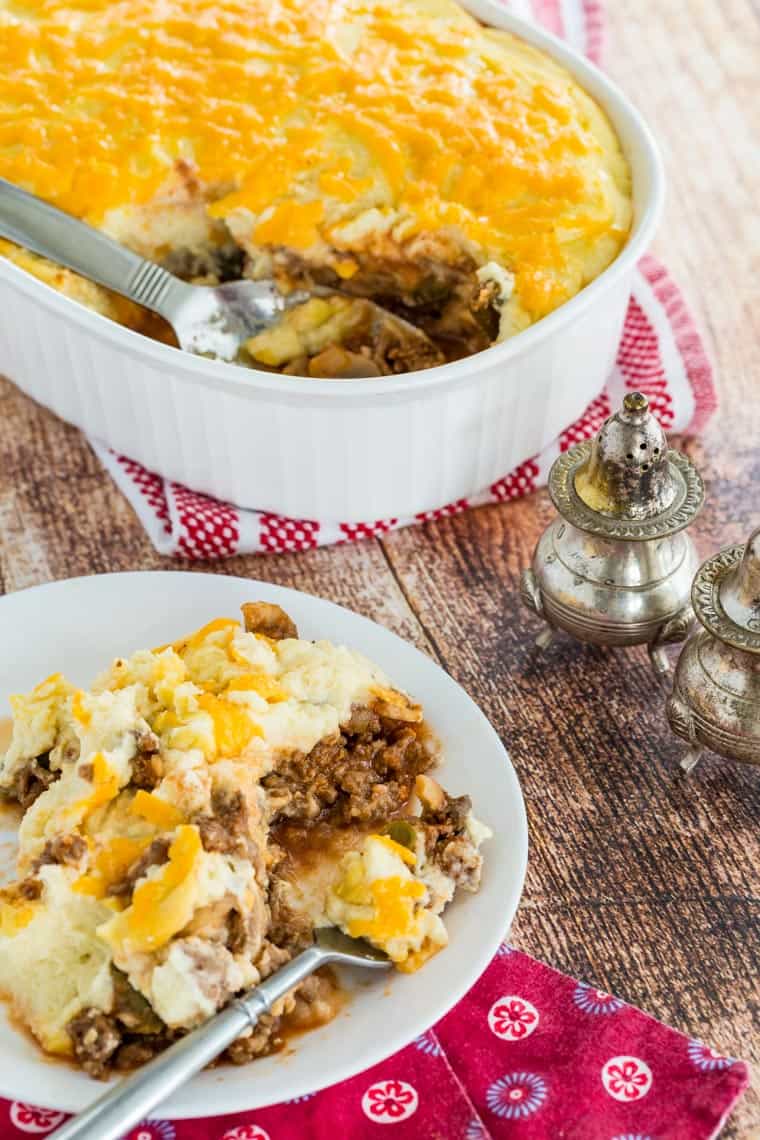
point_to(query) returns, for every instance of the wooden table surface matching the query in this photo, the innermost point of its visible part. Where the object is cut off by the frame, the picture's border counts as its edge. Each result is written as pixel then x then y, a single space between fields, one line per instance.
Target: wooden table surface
pixel 639 880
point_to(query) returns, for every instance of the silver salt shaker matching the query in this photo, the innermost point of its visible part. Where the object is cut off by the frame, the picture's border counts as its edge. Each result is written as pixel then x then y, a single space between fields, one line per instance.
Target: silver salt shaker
pixel 616 567
pixel 716 689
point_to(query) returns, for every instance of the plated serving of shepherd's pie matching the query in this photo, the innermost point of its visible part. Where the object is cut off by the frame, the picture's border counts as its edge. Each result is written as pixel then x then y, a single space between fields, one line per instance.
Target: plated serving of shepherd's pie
pixel 193 816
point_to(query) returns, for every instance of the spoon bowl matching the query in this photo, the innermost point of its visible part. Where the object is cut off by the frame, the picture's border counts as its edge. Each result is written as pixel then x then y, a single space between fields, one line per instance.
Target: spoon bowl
pixel 208 320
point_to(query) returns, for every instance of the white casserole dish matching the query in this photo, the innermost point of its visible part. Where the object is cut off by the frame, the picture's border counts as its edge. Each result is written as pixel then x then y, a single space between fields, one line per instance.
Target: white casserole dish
pixel 346 451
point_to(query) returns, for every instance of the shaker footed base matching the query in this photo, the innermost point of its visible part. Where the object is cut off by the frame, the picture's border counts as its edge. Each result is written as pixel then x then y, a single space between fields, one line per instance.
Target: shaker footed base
pixel 690 759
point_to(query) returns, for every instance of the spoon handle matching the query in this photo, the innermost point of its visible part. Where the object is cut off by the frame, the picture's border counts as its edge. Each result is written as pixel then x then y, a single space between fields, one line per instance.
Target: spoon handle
pixel 28 220
pixel 118 1110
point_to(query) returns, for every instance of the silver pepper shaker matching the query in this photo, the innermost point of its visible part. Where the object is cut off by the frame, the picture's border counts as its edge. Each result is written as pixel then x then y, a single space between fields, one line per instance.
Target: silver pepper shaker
pixel 616 567
pixel 716 689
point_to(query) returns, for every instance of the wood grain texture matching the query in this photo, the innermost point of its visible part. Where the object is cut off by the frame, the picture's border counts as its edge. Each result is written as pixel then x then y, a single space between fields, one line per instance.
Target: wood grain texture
pixel 640 880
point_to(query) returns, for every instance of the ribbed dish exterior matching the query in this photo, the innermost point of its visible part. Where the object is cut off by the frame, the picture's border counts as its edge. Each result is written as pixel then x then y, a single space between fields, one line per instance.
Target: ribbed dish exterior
pixel 310 458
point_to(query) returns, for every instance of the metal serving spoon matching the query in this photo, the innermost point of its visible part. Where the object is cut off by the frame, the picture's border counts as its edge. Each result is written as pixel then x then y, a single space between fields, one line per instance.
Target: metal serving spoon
pixel 210 320
pixel 114 1113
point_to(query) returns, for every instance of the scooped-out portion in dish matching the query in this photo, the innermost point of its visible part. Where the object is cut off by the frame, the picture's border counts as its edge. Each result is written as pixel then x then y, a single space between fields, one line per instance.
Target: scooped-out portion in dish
pixel 454 174
pixel 191 818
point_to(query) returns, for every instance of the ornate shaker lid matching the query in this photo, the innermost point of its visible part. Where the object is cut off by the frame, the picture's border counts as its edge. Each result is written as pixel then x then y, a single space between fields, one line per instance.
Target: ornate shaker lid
pixel 726 595
pixel 626 482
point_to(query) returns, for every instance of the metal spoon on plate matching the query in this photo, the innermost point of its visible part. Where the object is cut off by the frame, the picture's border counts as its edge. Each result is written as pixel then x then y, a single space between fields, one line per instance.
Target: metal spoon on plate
pixel 209 320
pixel 112 1115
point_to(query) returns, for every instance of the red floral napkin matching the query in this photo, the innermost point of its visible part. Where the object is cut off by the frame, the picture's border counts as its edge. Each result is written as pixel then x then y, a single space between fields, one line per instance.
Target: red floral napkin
pixel 528 1054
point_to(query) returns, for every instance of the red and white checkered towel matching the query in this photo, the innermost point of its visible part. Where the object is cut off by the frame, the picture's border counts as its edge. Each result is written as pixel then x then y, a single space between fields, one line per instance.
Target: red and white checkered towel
pixel 661 354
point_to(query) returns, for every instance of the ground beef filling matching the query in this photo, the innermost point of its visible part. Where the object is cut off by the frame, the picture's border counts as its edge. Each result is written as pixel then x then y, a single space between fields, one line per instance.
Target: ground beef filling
pixel 95 1037
pixel 28 889
pixel 444 301
pixel 269 620
pixel 289 927
pixel 147 766
pixel 132 1034
pixel 157 853
pixel 363 775
pixel 225 829
pixel 447 840
pixel 33 779
pixel 64 849
pixel 147 770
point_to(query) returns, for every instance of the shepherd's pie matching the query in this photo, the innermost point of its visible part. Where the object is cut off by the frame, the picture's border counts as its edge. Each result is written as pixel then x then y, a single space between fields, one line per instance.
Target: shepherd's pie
pixel 396 151
pixel 193 816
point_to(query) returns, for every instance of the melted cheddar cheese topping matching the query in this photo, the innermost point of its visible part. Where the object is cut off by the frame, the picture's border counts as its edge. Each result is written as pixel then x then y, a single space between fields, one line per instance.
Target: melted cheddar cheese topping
pixel 233 727
pixel 14 917
pixel 155 810
pixel 110 864
pixel 382 896
pixel 161 905
pixel 105 787
pixel 327 125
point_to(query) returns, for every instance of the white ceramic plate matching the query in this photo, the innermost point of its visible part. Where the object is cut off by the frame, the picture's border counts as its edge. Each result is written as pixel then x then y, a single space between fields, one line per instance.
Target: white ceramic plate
pixel 79 625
